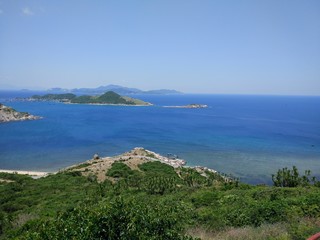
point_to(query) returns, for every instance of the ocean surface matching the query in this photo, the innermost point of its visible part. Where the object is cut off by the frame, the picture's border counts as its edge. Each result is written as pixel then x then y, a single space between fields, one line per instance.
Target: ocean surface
pixel 250 137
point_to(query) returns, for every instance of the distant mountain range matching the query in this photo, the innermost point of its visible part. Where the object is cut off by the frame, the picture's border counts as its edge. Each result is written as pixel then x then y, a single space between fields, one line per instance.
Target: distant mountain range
pixel 115 88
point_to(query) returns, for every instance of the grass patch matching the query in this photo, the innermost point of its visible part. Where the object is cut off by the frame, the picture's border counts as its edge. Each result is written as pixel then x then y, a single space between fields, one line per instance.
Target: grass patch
pixel 264 232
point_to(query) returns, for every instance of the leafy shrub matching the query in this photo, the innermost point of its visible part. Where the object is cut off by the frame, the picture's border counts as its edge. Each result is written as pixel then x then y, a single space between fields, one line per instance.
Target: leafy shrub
pixel 159 184
pixel 156 168
pixel 301 229
pixel 135 179
pixel 119 219
pixel 268 212
pixel 119 169
pixel 291 178
pixel 205 198
pixel 192 178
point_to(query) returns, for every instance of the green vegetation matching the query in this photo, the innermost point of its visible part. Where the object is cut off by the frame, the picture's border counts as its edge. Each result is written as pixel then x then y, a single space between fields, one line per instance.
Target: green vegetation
pixel 118 219
pixel 156 202
pixel 158 168
pixel 106 98
pixel 291 178
pixel 119 170
pixel 58 97
pixel 109 97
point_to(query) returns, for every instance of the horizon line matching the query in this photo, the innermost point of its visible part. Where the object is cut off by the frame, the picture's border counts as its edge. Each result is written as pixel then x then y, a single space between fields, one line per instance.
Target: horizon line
pixel 180 93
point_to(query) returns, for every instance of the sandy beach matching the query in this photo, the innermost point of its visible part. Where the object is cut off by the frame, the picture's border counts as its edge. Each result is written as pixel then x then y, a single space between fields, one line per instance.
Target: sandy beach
pixel 34 174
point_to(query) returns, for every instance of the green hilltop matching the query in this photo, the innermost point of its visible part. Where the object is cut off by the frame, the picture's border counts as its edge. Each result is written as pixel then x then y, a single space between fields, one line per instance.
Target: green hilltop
pixel 109 97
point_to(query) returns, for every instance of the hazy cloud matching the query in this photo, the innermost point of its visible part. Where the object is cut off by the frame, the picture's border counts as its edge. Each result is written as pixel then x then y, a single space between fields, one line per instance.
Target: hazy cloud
pixel 27 11
pixel 1 11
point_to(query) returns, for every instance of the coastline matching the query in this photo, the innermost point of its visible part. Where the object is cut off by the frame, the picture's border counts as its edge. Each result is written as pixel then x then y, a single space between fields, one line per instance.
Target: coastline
pixel 229 136
pixel 34 174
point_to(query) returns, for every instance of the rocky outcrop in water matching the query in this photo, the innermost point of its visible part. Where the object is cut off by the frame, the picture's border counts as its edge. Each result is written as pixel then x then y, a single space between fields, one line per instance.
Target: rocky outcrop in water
pixel 189 106
pixel 8 114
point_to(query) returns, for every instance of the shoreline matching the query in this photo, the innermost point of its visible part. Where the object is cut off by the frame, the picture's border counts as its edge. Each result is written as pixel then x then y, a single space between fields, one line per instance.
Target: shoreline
pixel 34 174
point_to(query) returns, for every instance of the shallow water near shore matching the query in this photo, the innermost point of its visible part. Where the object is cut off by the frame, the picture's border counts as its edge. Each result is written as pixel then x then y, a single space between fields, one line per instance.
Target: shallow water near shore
pixel 248 136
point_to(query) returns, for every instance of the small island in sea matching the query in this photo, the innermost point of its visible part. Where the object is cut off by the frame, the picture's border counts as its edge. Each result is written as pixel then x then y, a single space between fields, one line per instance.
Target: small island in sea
pixel 193 105
pixel 8 114
pixel 110 98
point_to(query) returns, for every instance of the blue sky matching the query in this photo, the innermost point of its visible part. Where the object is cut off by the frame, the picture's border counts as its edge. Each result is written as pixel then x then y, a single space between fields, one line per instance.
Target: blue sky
pixel 225 46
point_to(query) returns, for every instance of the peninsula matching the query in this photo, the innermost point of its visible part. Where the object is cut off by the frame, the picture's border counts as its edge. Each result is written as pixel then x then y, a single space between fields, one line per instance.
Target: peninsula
pixel 110 98
pixel 98 166
pixel 8 114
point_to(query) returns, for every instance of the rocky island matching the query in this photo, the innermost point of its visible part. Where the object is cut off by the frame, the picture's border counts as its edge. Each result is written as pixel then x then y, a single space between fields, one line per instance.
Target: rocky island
pixel 110 98
pixel 8 114
pixel 193 105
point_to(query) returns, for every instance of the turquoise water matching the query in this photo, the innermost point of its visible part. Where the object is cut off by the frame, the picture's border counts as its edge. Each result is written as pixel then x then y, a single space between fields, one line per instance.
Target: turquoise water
pixel 247 136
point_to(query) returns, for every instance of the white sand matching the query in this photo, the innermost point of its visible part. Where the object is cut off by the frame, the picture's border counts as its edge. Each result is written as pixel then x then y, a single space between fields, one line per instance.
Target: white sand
pixel 31 173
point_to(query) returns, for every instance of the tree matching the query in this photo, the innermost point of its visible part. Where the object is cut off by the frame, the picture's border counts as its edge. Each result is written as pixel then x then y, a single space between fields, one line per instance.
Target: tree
pixel 291 178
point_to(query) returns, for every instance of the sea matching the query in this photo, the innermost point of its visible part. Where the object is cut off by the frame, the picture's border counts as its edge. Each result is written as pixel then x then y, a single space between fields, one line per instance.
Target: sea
pixel 247 136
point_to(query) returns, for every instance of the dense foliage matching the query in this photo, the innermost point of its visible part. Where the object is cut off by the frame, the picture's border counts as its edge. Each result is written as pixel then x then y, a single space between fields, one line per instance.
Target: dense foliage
pixel 108 97
pixel 152 202
pixel 118 219
pixel 292 178
pixel 63 96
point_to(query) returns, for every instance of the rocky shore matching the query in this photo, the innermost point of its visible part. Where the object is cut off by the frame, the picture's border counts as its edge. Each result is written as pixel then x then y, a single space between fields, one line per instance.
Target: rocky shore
pixel 8 114
pixel 189 106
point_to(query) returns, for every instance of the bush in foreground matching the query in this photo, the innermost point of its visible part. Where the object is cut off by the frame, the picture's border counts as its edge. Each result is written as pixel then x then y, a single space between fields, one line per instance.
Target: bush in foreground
pixel 118 219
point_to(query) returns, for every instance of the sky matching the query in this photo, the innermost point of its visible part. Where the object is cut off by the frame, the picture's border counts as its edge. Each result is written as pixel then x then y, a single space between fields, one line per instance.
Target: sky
pixel 194 46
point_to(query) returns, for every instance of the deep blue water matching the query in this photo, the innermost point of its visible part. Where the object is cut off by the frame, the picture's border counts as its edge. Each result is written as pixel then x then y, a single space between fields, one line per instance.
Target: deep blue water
pixel 248 136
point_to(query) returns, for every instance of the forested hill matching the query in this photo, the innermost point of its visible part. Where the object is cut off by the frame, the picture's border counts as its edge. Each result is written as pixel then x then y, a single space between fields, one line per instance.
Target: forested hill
pixel 109 97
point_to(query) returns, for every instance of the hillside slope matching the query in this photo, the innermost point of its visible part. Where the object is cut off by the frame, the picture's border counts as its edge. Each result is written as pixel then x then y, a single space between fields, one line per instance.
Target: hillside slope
pixel 143 195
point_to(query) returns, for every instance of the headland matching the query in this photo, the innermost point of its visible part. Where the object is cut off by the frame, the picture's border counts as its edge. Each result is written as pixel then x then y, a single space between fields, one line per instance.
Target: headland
pixel 8 114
